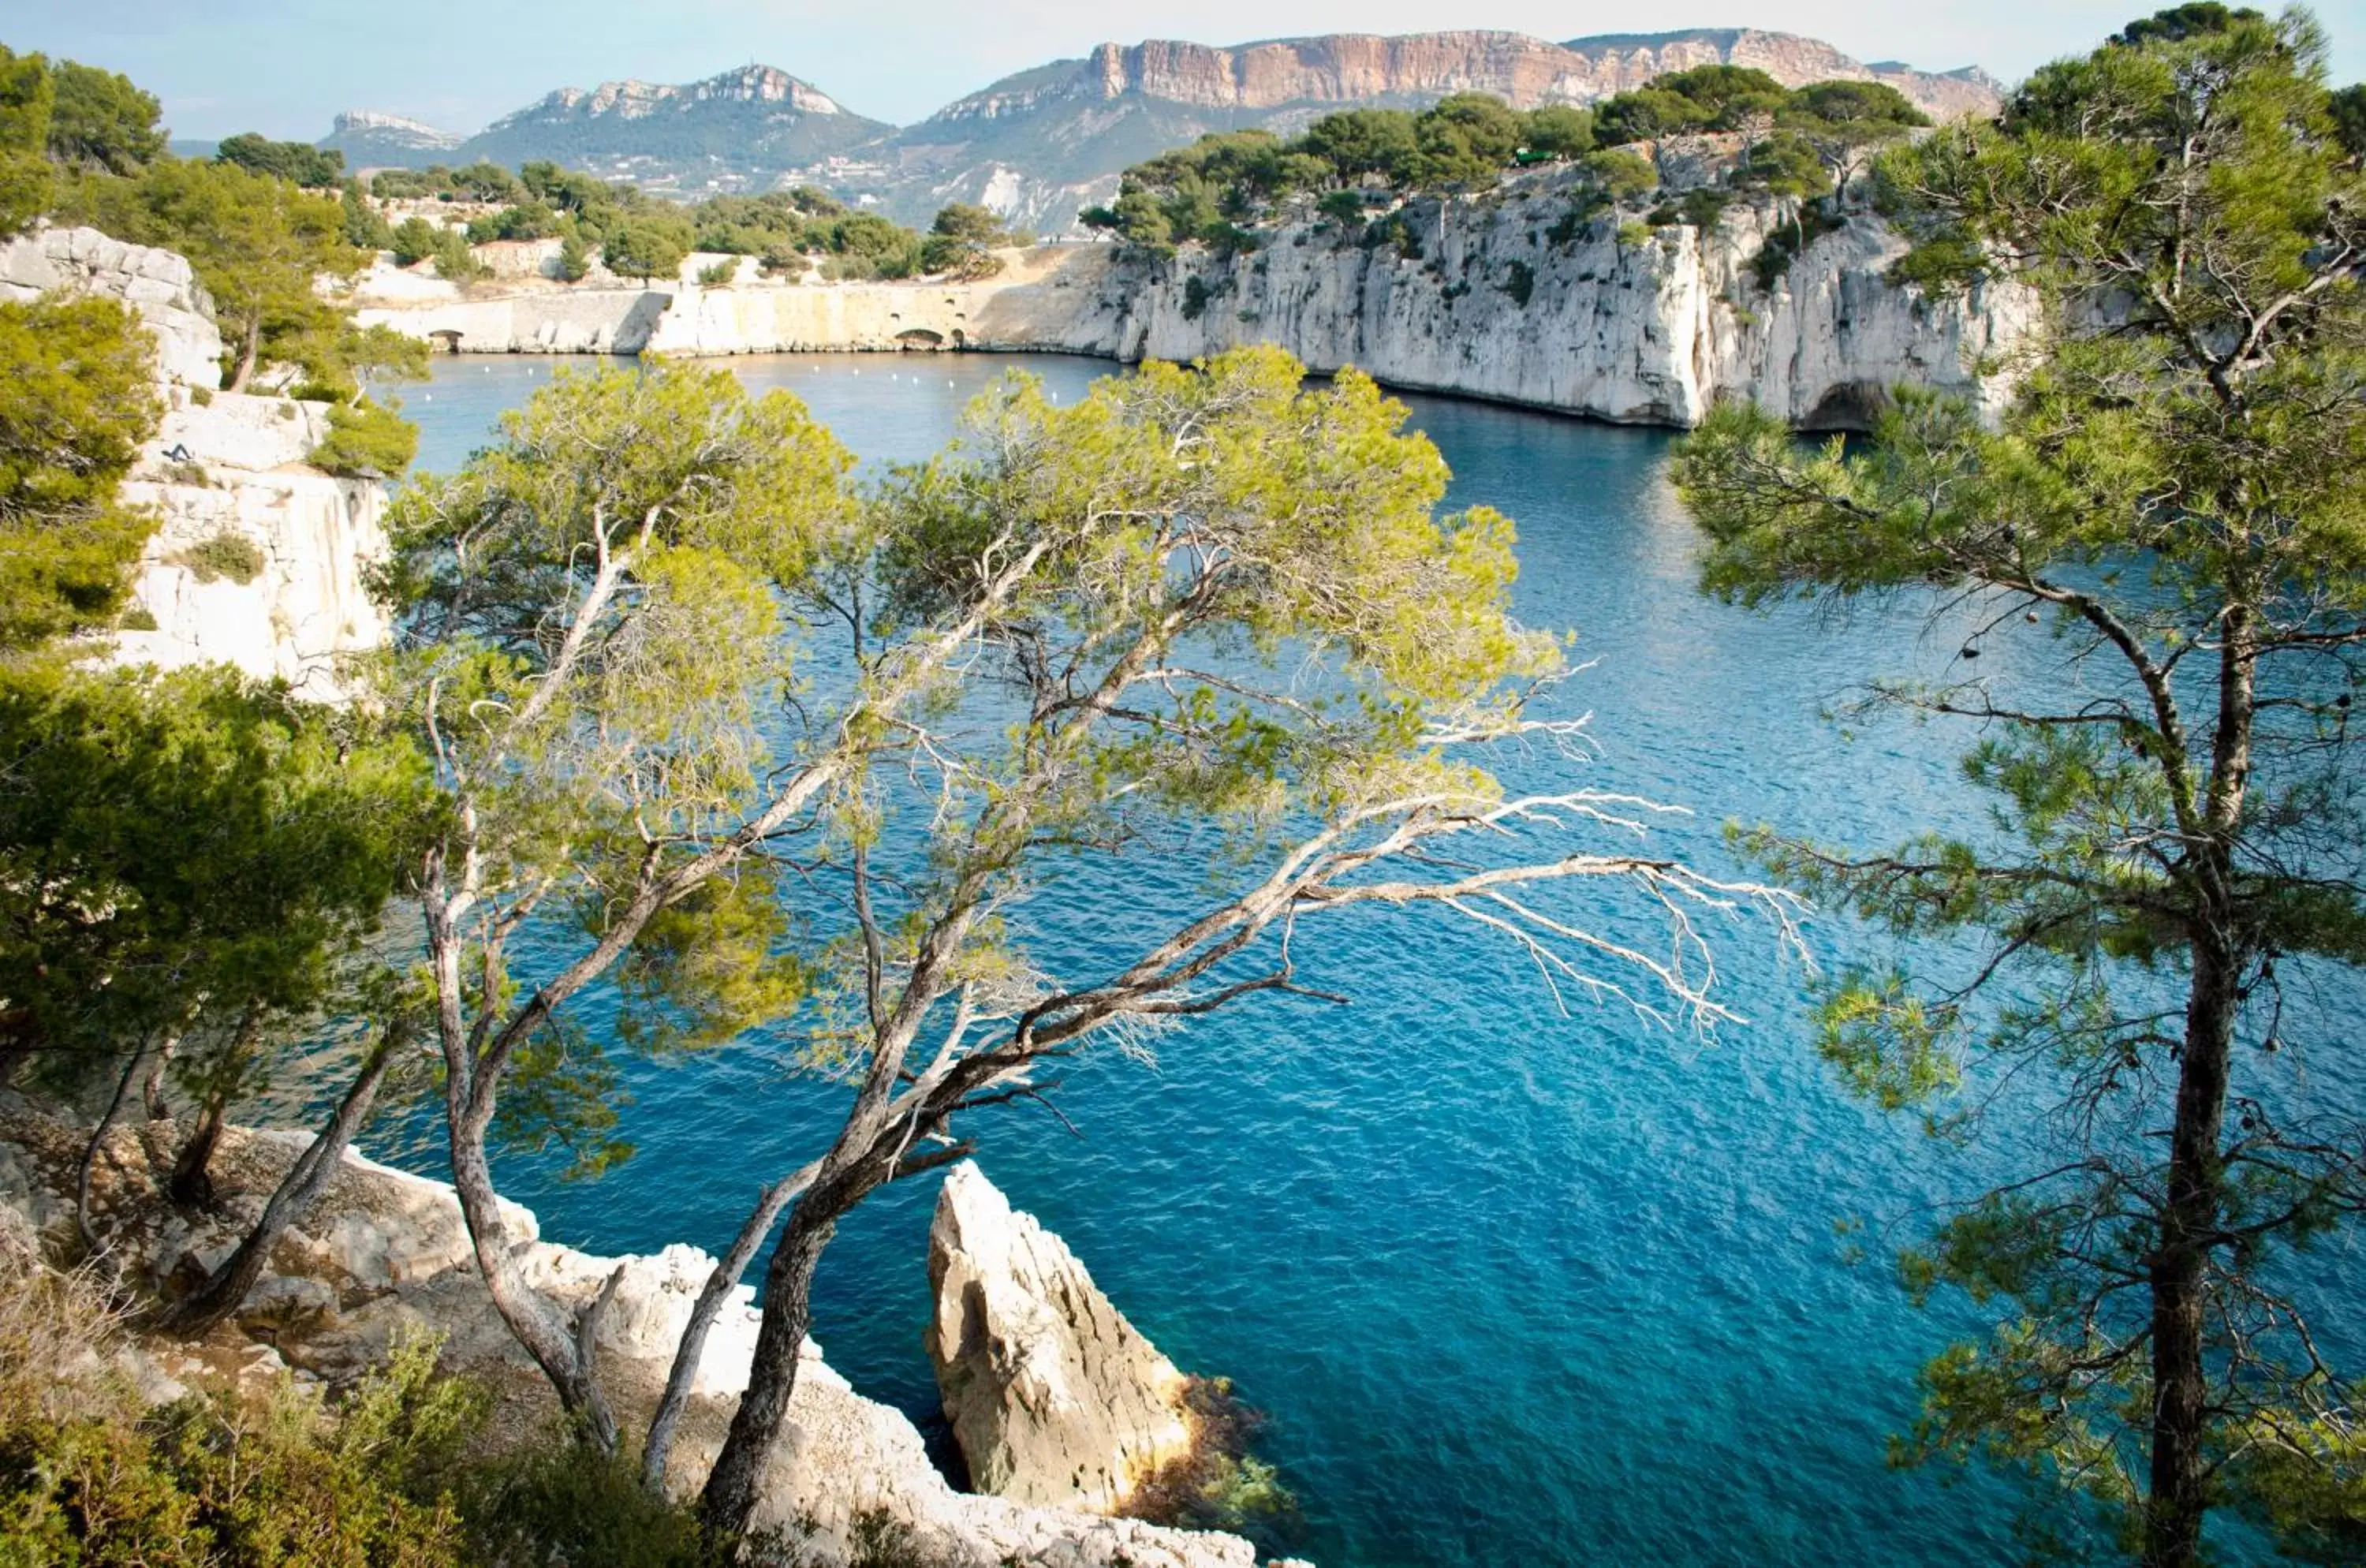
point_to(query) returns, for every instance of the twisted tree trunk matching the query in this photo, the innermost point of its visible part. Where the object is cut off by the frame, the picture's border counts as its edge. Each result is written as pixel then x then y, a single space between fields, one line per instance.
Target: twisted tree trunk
pixel 190 1185
pixel 225 1289
pixel 728 1503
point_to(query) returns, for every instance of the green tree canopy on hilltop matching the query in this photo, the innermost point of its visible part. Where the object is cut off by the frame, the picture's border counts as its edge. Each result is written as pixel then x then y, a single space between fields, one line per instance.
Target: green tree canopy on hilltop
pixel 100 120
pixel 298 163
pixel 27 95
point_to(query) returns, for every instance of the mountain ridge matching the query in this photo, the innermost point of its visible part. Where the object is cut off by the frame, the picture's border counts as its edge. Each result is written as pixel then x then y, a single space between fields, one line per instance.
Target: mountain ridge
pixel 1040 144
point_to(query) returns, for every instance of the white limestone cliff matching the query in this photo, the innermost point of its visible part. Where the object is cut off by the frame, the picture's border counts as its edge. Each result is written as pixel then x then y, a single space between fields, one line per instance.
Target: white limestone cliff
pixel 1054 1396
pixel 1506 298
pixel 221 463
pixel 1516 295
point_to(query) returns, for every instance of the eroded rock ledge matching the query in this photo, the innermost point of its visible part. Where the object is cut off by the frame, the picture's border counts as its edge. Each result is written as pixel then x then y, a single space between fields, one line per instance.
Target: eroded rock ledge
pixel 387 1250
pixel 222 465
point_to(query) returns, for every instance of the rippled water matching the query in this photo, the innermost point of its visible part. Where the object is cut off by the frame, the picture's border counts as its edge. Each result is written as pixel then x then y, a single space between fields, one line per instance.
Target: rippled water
pixel 1516 1288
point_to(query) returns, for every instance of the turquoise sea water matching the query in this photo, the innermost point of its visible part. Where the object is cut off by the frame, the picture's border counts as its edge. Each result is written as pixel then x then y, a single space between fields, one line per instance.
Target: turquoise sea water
pixel 1514 1287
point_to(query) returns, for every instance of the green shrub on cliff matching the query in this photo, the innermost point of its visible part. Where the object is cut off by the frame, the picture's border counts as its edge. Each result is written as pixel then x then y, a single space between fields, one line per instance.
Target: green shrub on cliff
pixel 647 247
pixel 1225 185
pixel 397 1473
pixel 231 556
pixel 76 401
pixel 366 440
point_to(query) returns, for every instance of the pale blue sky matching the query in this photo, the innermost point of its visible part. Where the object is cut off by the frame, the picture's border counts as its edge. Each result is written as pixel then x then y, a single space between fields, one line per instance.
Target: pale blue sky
pixel 284 66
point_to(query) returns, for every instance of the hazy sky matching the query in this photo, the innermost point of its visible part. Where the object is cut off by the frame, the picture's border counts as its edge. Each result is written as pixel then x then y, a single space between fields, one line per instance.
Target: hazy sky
pixel 284 67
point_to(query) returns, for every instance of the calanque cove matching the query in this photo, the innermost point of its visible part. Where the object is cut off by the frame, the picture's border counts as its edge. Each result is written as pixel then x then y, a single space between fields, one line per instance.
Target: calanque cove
pixel 585 782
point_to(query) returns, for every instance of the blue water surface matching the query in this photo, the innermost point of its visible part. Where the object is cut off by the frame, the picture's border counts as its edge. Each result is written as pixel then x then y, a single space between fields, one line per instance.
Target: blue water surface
pixel 1515 1286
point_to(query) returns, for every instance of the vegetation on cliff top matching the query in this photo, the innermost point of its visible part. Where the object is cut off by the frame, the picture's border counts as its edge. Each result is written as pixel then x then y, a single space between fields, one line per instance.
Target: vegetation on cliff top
pixel 1797 143
pixel 641 236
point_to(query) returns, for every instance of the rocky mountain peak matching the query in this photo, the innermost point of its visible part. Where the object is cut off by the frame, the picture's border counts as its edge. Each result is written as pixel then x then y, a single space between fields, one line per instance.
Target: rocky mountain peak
pixel 632 99
pixel 392 124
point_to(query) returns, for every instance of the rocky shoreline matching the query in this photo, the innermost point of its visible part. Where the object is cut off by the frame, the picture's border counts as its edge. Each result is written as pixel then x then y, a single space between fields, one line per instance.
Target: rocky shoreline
pixel 386 1253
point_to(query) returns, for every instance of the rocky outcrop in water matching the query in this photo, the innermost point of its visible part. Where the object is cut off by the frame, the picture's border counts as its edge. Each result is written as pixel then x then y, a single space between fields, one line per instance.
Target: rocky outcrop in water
pixel 386 1251
pixel 1054 1396
pixel 223 466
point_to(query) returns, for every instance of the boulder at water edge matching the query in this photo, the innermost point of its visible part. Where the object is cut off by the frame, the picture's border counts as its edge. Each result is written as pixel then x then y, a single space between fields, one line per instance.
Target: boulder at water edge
pixel 1054 1396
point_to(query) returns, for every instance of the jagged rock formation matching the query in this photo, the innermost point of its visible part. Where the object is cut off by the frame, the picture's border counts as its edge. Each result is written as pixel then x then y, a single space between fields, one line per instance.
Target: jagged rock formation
pixel 386 1251
pixel 1040 145
pixel 372 141
pixel 1054 1396
pixel 734 131
pixel 223 465
pixel 160 286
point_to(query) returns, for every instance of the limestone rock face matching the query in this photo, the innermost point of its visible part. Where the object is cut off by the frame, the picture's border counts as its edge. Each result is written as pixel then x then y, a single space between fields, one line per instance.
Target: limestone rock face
pixel 1511 297
pixel 160 284
pixel 1054 1397
pixel 1519 295
pixel 222 465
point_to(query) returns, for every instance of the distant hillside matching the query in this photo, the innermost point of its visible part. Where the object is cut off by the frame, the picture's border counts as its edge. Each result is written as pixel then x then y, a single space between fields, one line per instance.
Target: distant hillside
pixel 371 141
pixel 735 132
pixel 1040 144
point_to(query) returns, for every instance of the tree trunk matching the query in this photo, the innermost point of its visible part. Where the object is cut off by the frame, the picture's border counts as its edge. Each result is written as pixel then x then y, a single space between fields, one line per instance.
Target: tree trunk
pixel 2179 1484
pixel 729 1501
pixel 190 1185
pixel 717 1290
pixel 530 1317
pixel 225 1289
pixel 246 356
pixel 90 1152
pixel 152 1087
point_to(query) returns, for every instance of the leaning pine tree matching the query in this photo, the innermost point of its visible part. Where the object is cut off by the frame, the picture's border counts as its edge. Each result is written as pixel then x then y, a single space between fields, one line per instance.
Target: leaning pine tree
pixel 2169 888
pixel 770 759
